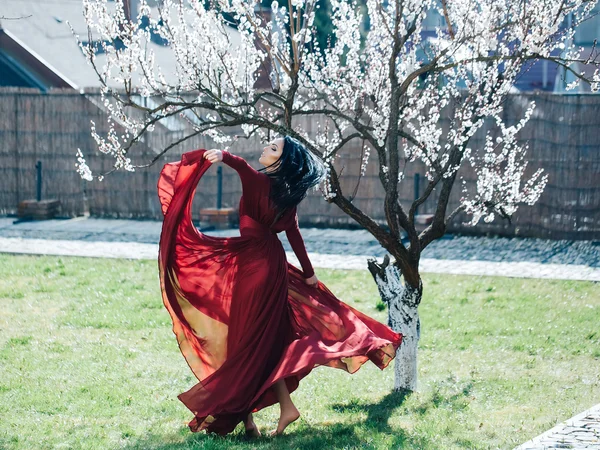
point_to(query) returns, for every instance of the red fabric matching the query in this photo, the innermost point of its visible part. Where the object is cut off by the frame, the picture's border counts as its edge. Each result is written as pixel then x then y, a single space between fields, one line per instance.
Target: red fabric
pixel 243 316
pixel 255 203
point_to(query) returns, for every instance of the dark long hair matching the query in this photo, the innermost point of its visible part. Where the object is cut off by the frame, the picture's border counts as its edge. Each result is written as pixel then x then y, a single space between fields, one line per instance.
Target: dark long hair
pixel 293 174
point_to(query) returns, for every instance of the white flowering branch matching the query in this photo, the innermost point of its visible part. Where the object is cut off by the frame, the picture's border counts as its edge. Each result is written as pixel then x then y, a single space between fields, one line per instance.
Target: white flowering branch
pixel 387 87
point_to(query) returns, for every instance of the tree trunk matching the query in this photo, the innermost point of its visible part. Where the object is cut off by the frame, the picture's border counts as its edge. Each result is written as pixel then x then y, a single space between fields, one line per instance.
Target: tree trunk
pixel 403 317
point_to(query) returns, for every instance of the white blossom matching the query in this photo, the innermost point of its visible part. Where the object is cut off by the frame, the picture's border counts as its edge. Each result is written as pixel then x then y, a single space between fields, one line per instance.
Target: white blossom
pixel 425 103
pixel 82 167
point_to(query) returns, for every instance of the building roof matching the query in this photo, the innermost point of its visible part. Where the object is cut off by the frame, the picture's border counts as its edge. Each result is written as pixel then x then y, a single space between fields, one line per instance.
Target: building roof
pixel 42 31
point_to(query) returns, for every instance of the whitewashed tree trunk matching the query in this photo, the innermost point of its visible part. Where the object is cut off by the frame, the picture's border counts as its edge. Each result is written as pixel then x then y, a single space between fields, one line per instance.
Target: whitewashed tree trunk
pixel 403 317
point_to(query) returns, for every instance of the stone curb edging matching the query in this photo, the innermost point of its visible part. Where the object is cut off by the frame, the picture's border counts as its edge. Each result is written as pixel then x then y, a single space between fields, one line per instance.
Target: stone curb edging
pixel 579 432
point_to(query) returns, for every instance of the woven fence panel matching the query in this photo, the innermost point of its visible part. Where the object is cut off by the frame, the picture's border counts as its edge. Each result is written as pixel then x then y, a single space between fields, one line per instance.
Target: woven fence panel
pixel 563 137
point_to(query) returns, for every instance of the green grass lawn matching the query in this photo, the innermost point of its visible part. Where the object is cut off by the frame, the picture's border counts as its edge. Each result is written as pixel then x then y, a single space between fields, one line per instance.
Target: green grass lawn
pixel 88 361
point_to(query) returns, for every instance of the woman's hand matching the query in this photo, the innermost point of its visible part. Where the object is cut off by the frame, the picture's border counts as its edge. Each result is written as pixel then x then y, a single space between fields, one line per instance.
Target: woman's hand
pixel 312 281
pixel 214 155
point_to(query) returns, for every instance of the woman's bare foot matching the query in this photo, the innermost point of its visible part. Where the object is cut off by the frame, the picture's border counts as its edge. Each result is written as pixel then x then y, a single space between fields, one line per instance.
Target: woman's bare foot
pixel 252 430
pixel 285 419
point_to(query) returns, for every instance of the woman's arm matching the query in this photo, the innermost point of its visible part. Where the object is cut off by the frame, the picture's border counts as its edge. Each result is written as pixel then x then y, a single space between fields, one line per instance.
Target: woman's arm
pixel 249 176
pixel 245 170
pixel 297 243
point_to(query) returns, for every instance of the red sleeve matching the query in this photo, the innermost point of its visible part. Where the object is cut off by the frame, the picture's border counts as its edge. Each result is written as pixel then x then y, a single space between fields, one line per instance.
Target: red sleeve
pixel 246 172
pixel 297 243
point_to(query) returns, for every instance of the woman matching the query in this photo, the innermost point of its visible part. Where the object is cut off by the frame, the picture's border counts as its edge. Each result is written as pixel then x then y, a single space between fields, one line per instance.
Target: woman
pixel 249 324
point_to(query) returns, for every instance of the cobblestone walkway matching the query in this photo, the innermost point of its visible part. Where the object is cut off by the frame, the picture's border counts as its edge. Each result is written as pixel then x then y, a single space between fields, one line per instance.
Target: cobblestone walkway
pixel 579 432
pixel 135 250
pixel 520 257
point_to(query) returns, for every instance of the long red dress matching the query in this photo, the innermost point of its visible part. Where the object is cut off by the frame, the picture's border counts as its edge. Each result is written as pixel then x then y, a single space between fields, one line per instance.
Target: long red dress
pixel 243 316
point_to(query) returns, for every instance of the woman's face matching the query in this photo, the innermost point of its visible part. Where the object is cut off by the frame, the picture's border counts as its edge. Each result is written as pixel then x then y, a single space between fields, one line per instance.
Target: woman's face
pixel 271 152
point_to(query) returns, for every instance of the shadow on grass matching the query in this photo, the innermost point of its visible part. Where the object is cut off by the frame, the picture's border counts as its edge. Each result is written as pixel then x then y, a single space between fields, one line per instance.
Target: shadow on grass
pixel 378 413
pixel 349 434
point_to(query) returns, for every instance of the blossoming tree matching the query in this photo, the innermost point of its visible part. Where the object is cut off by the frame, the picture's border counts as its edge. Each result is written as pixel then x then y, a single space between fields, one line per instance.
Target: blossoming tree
pixel 387 86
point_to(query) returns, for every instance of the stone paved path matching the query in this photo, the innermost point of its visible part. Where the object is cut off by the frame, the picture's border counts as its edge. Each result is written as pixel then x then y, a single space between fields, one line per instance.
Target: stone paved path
pixel 135 250
pixel 579 432
pixel 538 258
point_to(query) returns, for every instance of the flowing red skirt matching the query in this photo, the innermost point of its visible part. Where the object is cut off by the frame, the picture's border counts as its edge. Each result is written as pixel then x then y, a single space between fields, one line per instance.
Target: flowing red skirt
pixel 243 316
